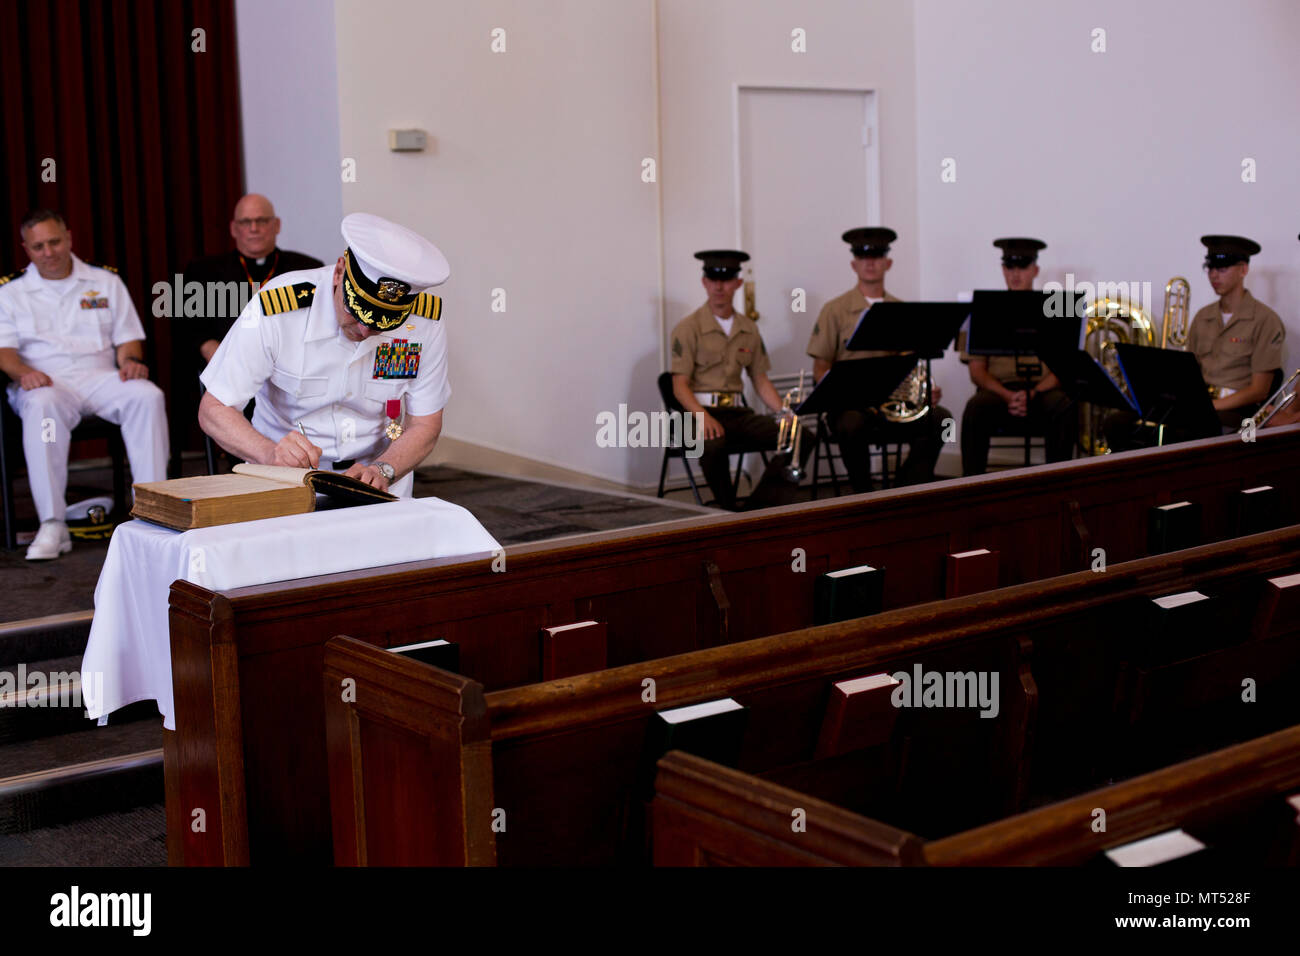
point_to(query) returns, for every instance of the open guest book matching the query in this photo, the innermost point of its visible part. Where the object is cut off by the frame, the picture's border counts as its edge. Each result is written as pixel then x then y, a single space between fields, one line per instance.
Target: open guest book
pixel 252 492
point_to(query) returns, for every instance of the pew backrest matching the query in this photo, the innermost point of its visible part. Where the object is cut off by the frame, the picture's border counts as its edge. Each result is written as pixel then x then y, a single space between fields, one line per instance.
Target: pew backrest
pixel 247 663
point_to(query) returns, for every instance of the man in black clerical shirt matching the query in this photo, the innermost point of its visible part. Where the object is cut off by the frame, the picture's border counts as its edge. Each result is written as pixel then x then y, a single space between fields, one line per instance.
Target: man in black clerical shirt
pixel 254 260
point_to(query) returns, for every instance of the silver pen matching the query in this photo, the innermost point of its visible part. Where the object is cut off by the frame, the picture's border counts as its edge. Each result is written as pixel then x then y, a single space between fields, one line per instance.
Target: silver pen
pixel 302 431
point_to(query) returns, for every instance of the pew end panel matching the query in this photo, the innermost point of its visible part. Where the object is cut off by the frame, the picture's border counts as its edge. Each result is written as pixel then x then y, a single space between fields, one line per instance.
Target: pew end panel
pixel 410 742
pixel 203 759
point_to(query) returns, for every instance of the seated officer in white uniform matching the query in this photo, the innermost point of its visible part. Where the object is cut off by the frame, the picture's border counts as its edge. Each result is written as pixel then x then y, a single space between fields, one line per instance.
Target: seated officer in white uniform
pixel 72 343
pixel 330 354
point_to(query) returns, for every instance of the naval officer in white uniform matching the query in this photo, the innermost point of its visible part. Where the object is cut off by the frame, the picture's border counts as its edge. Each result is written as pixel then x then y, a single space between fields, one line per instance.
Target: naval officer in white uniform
pixel 348 362
pixel 72 343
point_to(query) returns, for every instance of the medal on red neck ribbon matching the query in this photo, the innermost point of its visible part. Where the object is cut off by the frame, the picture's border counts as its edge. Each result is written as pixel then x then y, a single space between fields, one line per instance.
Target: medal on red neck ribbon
pixel 393 409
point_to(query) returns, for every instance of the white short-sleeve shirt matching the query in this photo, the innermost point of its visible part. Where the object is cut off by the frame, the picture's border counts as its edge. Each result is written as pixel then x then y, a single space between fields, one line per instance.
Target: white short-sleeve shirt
pixel 75 327
pixel 301 368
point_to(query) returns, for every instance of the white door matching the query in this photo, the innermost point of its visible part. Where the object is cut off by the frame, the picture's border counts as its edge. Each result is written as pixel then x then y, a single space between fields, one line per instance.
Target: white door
pixel 805 161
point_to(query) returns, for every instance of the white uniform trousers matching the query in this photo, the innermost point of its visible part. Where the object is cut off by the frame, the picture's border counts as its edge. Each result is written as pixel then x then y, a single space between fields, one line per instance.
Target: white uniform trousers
pixel 50 414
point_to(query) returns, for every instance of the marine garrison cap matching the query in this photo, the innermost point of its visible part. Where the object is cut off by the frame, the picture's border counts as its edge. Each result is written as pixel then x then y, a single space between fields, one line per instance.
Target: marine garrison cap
pixel 869 242
pixel 722 263
pixel 1019 253
pixel 386 269
pixel 1228 250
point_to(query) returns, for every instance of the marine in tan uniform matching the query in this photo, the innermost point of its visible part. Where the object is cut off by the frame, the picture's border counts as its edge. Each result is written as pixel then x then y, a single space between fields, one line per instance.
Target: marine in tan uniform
pixel 1014 396
pixel 1288 415
pixel 856 430
pixel 711 347
pixel 1237 340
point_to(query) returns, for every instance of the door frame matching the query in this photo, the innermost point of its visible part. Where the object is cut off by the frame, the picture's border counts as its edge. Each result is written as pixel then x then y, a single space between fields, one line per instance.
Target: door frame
pixel 870 125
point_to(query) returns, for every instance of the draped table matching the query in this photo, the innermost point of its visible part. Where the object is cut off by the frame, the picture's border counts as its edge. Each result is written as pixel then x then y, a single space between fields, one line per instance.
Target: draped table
pixel 128 656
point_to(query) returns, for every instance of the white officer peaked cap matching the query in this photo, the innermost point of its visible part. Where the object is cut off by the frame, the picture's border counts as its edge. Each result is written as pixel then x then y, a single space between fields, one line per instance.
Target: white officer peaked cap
pixel 385 250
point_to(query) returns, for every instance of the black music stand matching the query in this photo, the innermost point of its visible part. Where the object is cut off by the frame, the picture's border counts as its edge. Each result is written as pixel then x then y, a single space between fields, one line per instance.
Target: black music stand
pixel 925 328
pixel 1024 323
pixel 857 383
pixel 1169 390
pixel 1084 379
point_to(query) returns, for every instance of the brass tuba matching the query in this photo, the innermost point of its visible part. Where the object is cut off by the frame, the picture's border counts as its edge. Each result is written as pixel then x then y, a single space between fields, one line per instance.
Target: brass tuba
pixel 1110 322
pixel 1174 324
pixel 908 402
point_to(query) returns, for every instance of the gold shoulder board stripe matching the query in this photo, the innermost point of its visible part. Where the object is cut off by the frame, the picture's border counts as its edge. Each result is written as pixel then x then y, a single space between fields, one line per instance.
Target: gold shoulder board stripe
pixel 106 268
pixel 429 306
pixel 287 298
pixel 12 276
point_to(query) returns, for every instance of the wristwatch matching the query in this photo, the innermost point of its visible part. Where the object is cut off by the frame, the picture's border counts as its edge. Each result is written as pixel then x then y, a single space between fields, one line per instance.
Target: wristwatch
pixel 387 470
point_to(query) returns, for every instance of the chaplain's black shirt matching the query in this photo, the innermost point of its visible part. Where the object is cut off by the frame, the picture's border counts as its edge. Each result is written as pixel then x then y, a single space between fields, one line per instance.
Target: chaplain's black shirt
pixel 228 267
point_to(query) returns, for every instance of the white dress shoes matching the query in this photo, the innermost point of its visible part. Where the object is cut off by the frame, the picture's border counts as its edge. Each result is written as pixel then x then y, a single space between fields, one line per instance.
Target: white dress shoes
pixel 50 542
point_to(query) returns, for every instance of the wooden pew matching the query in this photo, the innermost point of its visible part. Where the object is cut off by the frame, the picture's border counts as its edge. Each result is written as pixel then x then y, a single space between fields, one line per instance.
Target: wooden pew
pixel 1234 800
pixel 565 757
pixel 247 663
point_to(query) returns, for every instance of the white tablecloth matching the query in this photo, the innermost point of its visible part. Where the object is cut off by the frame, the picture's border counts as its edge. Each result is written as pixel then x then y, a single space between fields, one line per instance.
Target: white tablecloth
pixel 128 657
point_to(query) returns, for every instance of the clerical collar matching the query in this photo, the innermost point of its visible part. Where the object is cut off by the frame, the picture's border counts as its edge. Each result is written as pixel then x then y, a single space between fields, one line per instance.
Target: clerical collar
pixel 265 269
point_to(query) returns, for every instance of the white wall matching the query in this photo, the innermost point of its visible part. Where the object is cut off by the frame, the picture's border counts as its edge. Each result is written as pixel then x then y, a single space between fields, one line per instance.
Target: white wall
pixel 707 48
pixel 289 98
pixel 534 183
pixel 1119 160
pixel 533 186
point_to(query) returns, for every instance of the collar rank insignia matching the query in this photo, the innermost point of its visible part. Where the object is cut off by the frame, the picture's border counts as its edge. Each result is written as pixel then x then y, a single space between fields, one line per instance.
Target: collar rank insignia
pixel 398 358
pixel 287 298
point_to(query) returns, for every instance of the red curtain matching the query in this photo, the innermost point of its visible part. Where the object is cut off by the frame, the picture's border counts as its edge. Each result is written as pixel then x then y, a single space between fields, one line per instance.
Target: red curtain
pixel 140 114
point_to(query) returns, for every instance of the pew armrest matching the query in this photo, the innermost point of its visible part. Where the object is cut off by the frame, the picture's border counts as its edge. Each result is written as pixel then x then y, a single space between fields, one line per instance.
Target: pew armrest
pixel 705 814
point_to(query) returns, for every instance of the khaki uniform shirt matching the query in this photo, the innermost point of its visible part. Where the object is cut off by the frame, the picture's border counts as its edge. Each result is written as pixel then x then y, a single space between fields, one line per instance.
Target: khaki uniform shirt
pixel 1003 367
pixel 1251 342
pixel 713 360
pixel 834 327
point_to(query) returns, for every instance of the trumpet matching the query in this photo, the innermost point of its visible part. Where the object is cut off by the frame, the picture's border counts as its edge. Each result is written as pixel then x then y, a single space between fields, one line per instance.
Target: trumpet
pixel 1174 323
pixel 1282 398
pixel 789 433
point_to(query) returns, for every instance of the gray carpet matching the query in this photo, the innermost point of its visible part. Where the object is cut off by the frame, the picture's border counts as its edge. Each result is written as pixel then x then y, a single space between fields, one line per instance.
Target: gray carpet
pixel 514 511
pixel 131 838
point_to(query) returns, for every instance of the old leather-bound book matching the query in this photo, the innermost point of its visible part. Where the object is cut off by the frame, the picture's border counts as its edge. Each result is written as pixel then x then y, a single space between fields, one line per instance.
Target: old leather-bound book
pixel 252 492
